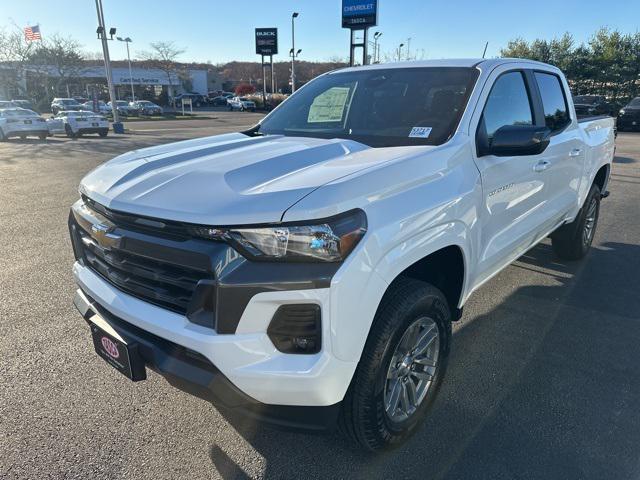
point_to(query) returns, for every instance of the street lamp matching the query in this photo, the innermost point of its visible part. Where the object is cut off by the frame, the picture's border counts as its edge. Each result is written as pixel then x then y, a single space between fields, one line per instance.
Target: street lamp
pixel 101 30
pixel 128 41
pixel 400 51
pixel 293 53
pixel 376 54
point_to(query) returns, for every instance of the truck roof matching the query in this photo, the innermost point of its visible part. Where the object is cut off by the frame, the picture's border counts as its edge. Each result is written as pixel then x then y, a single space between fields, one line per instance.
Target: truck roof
pixel 452 62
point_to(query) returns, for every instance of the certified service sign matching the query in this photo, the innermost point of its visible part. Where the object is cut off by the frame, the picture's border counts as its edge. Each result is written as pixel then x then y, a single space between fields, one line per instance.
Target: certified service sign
pixel 266 41
pixel 359 13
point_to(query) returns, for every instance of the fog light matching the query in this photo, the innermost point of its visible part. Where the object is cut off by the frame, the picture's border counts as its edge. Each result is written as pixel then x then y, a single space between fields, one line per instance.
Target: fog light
pixel 296 329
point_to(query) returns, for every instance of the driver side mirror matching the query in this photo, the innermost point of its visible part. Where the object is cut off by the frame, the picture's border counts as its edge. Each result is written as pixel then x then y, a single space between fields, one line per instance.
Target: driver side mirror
pixel 516 140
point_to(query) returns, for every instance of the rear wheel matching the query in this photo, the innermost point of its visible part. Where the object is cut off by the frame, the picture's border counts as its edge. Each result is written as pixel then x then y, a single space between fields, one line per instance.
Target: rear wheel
pixel 3 137
pixel 402 366
pixel 573 240
pixel 43 136
pixel 103 133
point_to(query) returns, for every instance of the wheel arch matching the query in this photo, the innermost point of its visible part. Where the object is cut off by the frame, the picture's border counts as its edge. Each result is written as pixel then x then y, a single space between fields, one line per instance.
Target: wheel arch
pixel 602 177
pixel 445 270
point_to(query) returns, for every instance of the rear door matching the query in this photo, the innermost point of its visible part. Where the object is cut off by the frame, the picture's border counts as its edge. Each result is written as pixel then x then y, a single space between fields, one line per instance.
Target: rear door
pixel 514 196
pixel 565 154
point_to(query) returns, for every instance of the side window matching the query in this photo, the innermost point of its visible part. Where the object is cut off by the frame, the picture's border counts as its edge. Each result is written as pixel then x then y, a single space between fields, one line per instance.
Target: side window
pixel 556 115
pixel 508 103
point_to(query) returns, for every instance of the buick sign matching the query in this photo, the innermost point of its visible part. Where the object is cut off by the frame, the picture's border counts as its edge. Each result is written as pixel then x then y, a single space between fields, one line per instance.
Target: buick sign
pixel 266 41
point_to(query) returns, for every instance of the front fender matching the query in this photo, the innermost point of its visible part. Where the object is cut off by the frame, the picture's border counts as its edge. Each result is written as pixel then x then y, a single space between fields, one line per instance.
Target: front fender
pixel 358 287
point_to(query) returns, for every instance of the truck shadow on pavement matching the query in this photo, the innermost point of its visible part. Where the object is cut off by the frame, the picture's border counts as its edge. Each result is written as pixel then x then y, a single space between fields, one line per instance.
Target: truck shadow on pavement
pixel 545 385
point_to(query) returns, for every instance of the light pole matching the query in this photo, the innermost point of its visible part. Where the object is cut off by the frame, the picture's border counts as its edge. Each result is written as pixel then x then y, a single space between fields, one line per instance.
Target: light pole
pixel 294 15
pixel 400 51
pixel 376 54
pixel 128 41
pixel 102 35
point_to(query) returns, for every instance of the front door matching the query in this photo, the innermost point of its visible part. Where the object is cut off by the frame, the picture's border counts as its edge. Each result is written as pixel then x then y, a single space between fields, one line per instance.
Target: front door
pixel 513 187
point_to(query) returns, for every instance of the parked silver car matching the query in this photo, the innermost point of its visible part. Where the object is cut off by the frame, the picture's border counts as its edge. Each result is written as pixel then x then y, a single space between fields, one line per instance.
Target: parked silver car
pixel 145 107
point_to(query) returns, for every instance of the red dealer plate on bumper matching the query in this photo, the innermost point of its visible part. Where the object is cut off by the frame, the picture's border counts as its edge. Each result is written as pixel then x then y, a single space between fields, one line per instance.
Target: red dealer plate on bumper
pixel 117 353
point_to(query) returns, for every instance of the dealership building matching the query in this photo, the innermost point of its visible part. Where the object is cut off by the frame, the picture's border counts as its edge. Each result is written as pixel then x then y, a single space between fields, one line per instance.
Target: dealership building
pixel 148 82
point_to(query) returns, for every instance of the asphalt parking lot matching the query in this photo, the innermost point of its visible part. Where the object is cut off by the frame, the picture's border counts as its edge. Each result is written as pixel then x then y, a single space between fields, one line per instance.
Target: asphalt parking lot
pixel 544 380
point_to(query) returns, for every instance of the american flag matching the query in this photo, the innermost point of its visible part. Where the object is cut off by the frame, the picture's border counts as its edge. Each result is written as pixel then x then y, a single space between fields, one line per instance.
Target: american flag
pixel 32 33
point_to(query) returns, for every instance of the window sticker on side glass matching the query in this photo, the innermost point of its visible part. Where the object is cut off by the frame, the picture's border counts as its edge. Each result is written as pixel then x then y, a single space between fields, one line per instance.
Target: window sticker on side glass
pixel 420 132
pixel 329 105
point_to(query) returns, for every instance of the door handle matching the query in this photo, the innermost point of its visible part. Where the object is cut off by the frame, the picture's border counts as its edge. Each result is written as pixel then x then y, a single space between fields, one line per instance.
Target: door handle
pixel 575 152
pixel 541 166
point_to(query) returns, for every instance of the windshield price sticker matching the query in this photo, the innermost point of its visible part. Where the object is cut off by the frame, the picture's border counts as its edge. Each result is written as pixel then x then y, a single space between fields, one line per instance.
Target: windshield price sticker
pixel 329 105
pixel 420 132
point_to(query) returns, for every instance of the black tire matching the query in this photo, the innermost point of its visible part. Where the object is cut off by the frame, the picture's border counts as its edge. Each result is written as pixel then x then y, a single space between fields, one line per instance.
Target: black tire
pixel 3 137
pixel 43 136
pixel 23 137
pixel 363 417
pixel 103 133
pixel 573 240
pixel 69 132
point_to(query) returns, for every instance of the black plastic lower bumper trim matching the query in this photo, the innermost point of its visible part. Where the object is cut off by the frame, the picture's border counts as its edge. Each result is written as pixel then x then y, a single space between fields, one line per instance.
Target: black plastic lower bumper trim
pixel 193 373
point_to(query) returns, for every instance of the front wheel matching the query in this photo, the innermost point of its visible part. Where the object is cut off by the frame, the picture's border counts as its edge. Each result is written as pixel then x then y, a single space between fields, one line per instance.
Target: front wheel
pixel 43 136
pixel 103 133
pixel 3 137
pixel 573 240
pixel 401 368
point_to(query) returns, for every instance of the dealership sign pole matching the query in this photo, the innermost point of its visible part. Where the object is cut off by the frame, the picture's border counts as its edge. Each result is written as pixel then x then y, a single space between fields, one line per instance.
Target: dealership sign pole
pixel 359 15
pixel 266 45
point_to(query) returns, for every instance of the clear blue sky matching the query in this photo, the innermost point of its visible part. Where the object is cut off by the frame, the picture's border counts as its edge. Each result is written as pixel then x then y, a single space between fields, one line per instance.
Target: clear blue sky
pixel 219 31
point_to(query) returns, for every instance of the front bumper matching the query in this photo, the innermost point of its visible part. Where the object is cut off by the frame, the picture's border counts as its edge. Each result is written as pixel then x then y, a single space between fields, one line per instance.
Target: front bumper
pixel 628 121
pixel 247 358
pixel 193 373
pixel 28 130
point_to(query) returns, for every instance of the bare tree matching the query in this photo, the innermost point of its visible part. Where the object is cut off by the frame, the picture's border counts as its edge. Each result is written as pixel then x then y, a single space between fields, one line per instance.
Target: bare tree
pixel 163 56
pixel 59 59
pixel 15 50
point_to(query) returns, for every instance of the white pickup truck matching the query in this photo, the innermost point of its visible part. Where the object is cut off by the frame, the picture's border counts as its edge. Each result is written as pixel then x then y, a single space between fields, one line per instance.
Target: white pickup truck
pixel 306 272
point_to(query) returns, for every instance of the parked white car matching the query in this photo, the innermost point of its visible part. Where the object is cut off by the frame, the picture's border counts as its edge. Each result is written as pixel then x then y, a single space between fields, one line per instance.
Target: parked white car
pixel 23 123
pixel 309 269
pixel 241 103
pixel 75 124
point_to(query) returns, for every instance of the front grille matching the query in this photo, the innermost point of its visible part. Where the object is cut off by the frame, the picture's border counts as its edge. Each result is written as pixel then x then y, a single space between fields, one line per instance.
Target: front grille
pixel 137 264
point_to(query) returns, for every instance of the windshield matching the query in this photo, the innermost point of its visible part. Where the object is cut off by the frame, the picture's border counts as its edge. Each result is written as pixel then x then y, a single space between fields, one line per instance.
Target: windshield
pixel 18 113
pixel 585 99
pixel 68 102
pixel 390 107
pixel 635 102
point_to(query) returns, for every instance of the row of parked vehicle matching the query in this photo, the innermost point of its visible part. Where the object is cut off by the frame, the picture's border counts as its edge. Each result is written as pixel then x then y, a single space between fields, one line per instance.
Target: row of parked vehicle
pixel 125 109
pixel 23 123
pixel 628 117
pixel 223 99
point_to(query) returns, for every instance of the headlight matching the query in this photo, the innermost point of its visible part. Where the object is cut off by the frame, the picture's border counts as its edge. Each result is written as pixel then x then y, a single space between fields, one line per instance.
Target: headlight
pixel 621 111
pixel 328 240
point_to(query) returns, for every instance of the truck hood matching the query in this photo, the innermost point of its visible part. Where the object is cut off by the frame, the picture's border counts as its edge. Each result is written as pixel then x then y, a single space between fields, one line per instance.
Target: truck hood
pixel 228 179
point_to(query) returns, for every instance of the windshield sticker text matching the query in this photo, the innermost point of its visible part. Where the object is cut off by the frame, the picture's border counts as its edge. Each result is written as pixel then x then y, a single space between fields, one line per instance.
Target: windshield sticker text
pixel 420 132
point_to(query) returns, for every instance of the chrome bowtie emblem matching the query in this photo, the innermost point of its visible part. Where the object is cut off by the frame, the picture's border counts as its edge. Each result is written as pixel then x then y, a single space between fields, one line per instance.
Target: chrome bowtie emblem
pixel 104 236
